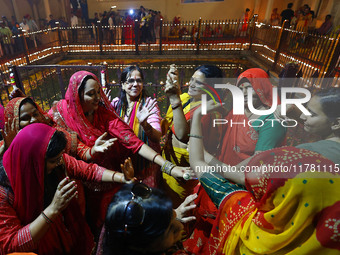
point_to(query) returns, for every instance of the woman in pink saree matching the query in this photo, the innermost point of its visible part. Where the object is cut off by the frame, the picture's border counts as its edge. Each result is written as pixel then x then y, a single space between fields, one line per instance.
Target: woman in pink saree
pixel 30 185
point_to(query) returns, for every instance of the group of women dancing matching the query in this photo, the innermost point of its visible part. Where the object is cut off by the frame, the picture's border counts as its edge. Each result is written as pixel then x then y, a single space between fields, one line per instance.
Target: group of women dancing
pixel 90 177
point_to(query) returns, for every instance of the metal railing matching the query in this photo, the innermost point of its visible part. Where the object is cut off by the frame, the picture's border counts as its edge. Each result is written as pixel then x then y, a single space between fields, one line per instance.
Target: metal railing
pixel 317 55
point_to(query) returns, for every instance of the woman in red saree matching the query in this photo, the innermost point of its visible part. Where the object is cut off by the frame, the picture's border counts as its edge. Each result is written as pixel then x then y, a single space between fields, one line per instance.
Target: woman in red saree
pixel 128 29
pixel 38 207
pixel 242 141
pixel 243 27
pixel 87 111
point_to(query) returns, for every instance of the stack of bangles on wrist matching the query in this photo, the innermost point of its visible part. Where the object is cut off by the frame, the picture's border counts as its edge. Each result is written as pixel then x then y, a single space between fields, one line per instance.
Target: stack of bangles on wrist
pixel 195 136
pixel 167 167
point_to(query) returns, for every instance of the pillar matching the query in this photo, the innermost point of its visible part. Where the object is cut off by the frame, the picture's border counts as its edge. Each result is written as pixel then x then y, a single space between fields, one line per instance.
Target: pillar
pixel 47 8
pixel 269 10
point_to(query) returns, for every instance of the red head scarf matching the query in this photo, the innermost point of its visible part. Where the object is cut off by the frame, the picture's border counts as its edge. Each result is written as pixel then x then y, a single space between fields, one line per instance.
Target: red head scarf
pixel 71 115
pixel 259 80
pixel 12 110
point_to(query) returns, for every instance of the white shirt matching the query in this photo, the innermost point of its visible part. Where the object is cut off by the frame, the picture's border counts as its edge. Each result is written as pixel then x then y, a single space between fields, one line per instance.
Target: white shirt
pixel 74 21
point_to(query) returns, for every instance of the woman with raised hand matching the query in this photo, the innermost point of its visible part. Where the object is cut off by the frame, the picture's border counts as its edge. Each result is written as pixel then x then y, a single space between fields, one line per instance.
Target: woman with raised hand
pixel 177 121
pixel 87 111
pixel 38 207
pixel 142 114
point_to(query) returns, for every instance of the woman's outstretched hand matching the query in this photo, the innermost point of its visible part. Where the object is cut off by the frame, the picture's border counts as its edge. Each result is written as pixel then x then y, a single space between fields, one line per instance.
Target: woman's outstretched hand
pixel 101 145
pixel 65 192
pixel 180 172
pixel 144 111
pixel 185 208
pixel 128 171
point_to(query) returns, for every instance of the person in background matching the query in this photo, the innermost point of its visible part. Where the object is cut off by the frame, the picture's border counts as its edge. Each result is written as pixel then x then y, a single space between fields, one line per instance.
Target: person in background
pixel 326 26
pixel 274 18
pixel 6 38
pixel 112 28
pixel 243 27
pixel 287 14
pixel 52 22
pixel 74 24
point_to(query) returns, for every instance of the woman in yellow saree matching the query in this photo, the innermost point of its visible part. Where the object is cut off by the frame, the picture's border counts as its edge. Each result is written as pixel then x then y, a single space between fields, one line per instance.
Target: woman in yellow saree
pixel 176 124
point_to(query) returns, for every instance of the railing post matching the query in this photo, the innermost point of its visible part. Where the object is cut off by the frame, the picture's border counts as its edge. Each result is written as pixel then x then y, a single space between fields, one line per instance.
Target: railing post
pixel 100 36
pixel 26 49
pixel 17 81
pixel 198 39
pixel 103 75
pixel 160 37
pixel 334 58
pixel 136 36
pixel 278 45
pixel 61 82
pixel 59 37
pixel 252 32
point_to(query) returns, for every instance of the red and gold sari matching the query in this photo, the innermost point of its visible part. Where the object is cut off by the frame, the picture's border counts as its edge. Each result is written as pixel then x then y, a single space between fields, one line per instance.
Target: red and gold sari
pixel 68 114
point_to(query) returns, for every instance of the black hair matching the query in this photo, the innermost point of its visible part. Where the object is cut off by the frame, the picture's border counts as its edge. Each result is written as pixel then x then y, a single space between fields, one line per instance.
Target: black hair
pixel 210 71
pixel 247 10
pixel 27 100
pixel 82 85
pixel 123 104
pixel 328 16
pixel 57 144
pixel 290 5
pixel 158 215
pixel 330 102
pixel 212 74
